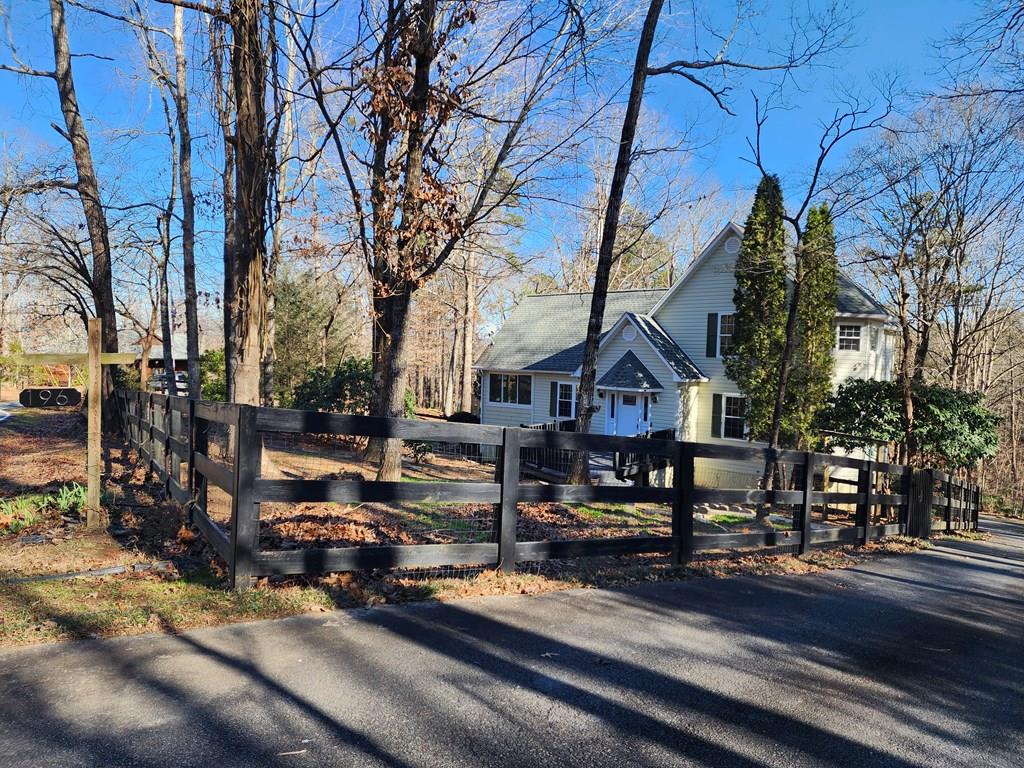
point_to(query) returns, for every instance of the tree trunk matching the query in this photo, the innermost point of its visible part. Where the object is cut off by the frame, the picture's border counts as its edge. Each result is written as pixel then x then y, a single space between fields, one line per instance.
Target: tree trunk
pixel 165 317
pixel 89 195
pixel 223 97
pixel 579 472
pixel 390 364
pixel 468 330
pixel 248 74
pixel 188 215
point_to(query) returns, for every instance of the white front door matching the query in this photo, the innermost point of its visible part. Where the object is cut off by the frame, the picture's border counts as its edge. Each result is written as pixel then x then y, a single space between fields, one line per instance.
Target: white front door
pixel 628 414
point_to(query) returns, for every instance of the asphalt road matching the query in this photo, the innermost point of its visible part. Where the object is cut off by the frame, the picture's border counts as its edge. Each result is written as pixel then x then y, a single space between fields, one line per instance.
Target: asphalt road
pixel 907 661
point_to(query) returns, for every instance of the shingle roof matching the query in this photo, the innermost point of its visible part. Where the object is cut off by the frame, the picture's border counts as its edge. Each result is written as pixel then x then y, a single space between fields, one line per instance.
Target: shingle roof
pixel 629 373
pixel 677 359
pixel 546 332
pixel 855 300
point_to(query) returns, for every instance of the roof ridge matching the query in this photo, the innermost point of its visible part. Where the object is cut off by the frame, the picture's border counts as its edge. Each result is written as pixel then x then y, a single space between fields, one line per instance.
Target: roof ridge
pixel 591 293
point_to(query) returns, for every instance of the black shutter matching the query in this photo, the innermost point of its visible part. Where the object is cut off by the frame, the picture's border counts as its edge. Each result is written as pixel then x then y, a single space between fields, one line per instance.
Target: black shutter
pixel 716 416
pixel 553 403
pixel 712 347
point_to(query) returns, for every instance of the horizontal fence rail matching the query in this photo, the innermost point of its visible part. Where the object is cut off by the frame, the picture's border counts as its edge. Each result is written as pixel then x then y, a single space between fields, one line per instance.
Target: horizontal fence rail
pixel 172 436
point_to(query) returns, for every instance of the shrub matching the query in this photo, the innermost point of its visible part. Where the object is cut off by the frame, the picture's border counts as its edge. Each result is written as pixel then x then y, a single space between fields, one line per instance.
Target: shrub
pixel 345 389
pixel 952 429
pixel 464 417
pixel 213 377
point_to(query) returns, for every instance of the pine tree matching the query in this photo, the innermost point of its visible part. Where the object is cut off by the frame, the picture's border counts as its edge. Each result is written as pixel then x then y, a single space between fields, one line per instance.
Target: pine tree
pixel 810 382
pixel 752 360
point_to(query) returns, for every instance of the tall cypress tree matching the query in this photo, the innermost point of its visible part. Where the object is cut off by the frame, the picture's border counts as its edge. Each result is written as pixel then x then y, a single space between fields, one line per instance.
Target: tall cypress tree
pixel 810 382
pixel 754 355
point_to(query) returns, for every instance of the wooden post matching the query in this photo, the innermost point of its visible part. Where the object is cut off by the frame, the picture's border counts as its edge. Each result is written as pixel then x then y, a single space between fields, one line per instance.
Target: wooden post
pixel 920 522
pixel 907 489
pixel 865 485
pixel 806 507
pixel 93 511
pixel 682 503
pixel 168 457
pixel 245 513
pixel 508 512
pixel 949 504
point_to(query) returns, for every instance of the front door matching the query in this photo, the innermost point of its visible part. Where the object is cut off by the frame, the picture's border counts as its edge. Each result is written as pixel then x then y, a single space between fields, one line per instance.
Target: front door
pixel 632 413
pixel 628 413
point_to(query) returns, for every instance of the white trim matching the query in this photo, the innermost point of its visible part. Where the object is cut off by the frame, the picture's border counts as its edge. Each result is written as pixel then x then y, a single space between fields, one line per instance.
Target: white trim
pixel 718 330
pixel 859 337
pixel 731 228
pixel 623 318
pixel 572 401
pixel 862 316
pixel 654 391
pixel 721 425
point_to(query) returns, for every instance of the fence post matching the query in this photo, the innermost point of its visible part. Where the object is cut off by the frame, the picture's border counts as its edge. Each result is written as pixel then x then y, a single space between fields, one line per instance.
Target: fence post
pixel 907 490
pixel 949 504
pixel 865 485
pixel 508 512
pixel 920 522
pixel 682 503
pixel 976 512
pixel 806 506
pixel 245 513
pixel 167 457
pixel 199 443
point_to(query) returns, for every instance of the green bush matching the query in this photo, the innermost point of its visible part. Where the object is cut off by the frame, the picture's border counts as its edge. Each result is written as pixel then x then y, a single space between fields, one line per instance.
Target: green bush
pixel 213 375
pixel 345 389
pixel 952 429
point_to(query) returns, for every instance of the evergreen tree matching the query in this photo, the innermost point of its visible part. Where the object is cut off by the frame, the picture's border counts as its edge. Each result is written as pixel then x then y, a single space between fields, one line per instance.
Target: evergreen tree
pixel 752 360
pixel 810 382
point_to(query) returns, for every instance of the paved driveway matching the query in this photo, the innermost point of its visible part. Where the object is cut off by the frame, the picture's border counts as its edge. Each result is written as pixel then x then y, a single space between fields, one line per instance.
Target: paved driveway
pixel 909 661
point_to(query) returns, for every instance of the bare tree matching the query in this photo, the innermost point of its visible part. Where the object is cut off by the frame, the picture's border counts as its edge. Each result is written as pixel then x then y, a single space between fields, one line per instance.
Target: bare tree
pixel 87 185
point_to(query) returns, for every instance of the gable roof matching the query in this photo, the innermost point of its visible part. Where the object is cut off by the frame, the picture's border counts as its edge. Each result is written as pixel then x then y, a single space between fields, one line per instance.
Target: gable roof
pixel 852 299
pixel 670 353
pixel 545 333
pixel 629 372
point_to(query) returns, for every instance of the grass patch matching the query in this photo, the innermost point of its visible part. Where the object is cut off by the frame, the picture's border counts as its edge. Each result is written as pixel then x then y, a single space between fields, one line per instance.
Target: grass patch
pixel 728 519
pixel 121 605
pixel 25 511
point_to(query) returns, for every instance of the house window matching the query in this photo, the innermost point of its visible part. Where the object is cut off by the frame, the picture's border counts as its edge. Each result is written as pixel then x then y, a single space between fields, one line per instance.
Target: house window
pixel 511 389
pixel 734 422
pixel 566 401
pixel 611 405
pixel 849 338
pixel 726 325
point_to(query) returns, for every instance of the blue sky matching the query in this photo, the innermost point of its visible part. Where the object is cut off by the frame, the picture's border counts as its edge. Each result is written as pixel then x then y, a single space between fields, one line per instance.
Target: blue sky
pixel 894 37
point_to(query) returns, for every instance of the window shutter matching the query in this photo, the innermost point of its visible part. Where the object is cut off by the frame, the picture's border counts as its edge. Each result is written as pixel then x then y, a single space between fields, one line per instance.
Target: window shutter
pixel 716 416
pixel 712 349
pixel 553 402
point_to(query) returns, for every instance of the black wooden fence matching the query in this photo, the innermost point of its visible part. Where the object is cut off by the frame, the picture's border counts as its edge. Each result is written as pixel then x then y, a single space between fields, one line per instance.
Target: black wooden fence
pixel 173 435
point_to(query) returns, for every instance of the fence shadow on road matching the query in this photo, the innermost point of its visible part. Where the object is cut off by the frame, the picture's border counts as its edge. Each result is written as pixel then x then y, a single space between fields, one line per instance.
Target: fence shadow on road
pixel 705 671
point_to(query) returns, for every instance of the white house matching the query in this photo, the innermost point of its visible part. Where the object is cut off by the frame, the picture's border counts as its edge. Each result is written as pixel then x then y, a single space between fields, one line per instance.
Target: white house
pixel 660 357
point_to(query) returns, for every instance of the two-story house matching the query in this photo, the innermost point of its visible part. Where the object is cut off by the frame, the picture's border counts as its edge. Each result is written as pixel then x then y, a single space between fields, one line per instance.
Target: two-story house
pixel 660 356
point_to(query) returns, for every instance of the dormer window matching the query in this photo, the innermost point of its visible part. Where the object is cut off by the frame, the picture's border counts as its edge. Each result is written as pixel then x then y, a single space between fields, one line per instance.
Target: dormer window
pixel 849 338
